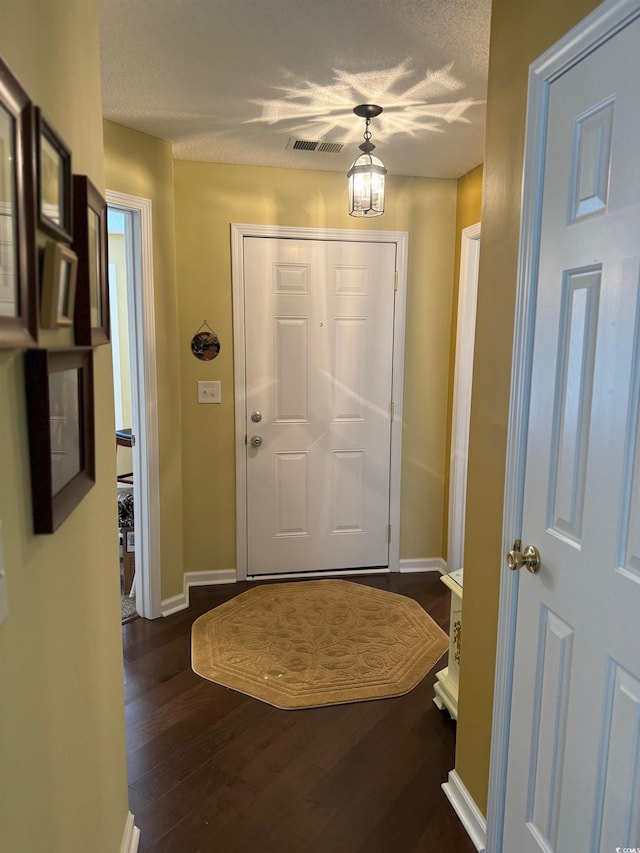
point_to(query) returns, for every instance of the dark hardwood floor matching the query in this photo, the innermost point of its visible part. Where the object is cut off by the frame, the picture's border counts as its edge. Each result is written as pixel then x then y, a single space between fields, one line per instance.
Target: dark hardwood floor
pixel 214 770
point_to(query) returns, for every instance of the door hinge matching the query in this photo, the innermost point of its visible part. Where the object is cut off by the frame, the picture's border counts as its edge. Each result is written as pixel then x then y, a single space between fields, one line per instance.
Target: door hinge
pixel 392 409
pixel 395 280
pixel 245 440
pixel 389 534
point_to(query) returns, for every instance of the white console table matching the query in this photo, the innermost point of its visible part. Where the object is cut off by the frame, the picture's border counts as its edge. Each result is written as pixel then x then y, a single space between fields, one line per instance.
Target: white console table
pixel 446 686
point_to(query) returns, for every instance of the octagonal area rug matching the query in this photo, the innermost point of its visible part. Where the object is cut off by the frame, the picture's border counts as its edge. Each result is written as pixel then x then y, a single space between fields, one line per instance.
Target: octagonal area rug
pixel 314 643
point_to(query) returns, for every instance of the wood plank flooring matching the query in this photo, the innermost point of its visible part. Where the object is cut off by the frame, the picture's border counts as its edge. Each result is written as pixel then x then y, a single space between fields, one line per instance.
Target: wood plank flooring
pixel 214 770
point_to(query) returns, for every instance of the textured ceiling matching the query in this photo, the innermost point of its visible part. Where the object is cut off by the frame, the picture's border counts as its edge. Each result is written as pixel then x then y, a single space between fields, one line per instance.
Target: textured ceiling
pixel 232 81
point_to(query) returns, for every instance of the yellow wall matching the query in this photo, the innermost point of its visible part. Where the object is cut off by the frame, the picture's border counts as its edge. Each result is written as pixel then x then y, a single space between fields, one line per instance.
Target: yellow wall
pixel 208 197
pixel 468 205
pixel 141 165
pixel 520 32
pixel 63 786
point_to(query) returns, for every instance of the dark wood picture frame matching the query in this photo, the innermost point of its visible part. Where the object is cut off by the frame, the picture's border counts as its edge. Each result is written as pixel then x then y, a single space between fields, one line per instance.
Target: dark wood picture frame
pixel 92 323
pixel 18 325
pixel 59 269
pixel 53 156
pixel 60 417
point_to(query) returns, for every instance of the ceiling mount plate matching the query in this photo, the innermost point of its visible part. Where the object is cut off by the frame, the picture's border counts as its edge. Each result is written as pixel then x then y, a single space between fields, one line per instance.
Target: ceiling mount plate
pixel 367 110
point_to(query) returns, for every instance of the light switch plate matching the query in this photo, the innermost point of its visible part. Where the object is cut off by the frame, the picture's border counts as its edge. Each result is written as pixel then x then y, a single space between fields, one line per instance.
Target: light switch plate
pixel 209 391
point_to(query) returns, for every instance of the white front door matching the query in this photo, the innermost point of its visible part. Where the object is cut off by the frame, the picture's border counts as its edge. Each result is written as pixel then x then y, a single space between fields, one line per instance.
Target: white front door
pixel 319 323
pixel 573 772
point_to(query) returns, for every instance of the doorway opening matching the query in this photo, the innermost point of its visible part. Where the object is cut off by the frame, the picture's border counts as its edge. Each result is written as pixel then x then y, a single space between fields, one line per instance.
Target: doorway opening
pixel 134 363
pixel 120 227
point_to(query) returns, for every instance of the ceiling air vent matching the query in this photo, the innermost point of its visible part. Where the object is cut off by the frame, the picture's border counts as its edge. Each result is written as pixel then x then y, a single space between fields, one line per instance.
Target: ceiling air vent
pixel 311 145
pixel 331 147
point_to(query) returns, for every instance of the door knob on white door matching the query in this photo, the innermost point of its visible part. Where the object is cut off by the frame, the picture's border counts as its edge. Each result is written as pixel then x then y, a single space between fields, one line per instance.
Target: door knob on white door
pixel 530 557
pixel 256 440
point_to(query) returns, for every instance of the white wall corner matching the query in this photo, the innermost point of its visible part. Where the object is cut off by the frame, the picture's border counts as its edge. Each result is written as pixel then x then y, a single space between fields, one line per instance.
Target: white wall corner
pixel 210 578
pixel 470 815
pixel 131 836
pixel 425 564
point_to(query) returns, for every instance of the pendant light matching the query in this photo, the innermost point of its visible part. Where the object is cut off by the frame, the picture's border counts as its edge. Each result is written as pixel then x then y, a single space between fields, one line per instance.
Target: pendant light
pixel 366 175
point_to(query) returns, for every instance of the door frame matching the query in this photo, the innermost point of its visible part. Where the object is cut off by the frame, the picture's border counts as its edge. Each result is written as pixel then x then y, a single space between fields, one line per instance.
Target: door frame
pixel 596 28
pixel 401 241
pixel 144 397
pixel 462 382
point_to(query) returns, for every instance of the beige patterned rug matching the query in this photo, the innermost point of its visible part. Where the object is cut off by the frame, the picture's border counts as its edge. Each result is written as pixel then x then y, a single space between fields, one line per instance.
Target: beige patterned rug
pixel 313 643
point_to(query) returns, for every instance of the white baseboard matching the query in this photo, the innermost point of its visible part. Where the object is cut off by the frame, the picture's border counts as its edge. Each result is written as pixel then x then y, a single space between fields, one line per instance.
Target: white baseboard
pixel 181 601
pixel 130 837
pixel 427 564
pixel 470 815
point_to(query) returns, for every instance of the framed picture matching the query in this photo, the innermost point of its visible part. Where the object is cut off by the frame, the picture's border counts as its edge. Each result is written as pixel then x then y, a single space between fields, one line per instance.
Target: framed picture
pixel 92 325
pixel 53 186
pixel 60 420
pixel 18 258
pixel 59 270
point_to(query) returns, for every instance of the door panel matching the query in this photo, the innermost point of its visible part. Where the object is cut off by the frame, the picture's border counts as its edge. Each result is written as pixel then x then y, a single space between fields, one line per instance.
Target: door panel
pixel 616 819
pixel 574 756
pixel 319 319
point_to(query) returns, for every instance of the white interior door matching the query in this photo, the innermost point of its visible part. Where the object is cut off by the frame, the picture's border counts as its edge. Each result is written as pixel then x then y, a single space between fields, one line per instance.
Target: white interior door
pixel 573 772
pixel 319 322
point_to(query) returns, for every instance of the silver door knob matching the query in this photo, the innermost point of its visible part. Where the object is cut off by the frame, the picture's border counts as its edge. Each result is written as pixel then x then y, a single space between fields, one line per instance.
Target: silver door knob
pixel 530 557
pixel 256 417
pixel 256 440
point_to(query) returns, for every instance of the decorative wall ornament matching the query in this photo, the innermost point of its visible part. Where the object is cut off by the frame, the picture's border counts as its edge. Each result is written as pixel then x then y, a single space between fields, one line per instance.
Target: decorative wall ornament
pixel 205 345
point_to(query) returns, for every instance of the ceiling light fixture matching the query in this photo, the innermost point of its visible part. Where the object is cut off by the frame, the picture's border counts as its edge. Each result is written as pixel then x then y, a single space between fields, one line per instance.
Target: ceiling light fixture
pixel 366 175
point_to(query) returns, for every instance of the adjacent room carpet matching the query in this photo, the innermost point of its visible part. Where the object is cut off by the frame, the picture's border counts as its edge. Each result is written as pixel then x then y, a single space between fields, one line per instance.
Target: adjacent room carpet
pixel 127 607
pixel 314 643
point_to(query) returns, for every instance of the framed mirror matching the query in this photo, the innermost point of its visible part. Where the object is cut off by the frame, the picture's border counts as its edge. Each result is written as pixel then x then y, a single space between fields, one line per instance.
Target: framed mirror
pixel 18 266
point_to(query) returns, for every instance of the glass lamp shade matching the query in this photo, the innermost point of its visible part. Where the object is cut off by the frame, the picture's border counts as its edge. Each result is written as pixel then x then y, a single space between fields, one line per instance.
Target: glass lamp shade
pixel 366 186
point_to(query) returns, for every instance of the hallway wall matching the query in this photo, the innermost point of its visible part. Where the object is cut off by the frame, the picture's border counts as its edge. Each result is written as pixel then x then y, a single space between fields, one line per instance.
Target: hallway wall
pixel 63 785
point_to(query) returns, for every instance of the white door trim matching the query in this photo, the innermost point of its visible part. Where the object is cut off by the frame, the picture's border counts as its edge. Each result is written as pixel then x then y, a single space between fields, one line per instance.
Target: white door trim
pixel 463 376
pixel 144 407
pixel 596 28
pixel 401 240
